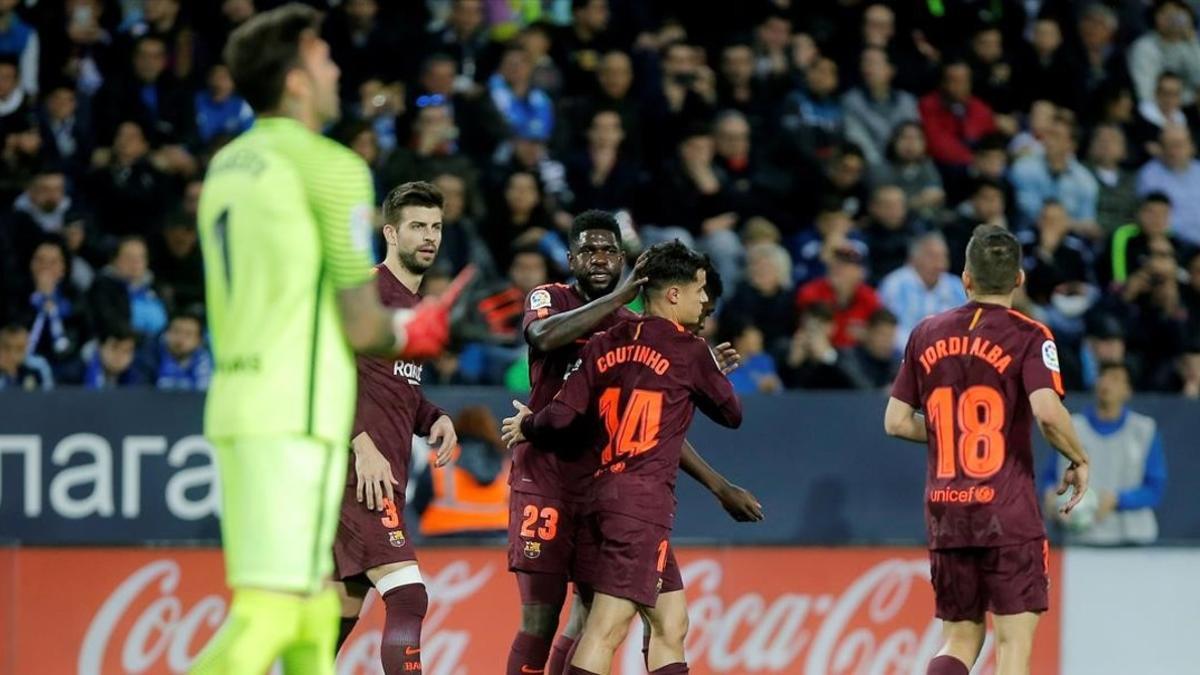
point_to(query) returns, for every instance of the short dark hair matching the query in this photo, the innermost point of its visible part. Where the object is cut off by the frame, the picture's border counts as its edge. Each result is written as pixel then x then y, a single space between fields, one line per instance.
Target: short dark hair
pixel 671 262
pixel 594 219
pixel 261 52
pixel 416 193
pixel 1156 197
pixel 993 259
pixel 714 287
pixel 118 331
pixel 986 183
pixel 189 313
pixel 1106 366
pixel 882 316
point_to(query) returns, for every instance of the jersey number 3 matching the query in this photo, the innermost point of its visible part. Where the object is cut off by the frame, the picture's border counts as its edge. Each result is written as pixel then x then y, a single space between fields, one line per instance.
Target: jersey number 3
pixel 979 431
pixel 634 430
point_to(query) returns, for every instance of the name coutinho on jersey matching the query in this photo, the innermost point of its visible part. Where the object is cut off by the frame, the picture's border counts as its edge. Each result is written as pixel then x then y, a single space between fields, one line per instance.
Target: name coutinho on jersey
pixel 635 353
pixel 980 348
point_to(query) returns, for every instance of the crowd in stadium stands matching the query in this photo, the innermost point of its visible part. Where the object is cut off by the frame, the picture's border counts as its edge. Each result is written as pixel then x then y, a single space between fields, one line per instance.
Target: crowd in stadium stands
pixel 831 157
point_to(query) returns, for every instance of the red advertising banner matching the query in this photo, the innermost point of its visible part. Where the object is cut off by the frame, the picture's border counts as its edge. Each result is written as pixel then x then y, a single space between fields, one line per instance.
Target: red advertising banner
pixel 752 610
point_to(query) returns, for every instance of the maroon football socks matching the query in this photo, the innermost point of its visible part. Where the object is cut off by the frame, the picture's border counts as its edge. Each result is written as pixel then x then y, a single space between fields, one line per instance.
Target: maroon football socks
pixel 401 646
pixel 528 655
pixel 563 646
pixel 947 665
pixel 576 670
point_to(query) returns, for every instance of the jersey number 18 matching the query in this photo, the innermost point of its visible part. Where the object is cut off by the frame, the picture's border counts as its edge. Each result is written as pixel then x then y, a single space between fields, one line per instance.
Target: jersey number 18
pixel 979 431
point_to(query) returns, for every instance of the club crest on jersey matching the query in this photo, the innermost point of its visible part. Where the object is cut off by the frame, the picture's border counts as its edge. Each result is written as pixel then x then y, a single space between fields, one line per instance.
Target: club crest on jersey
pixel 396 538
pixel 533 549
pixel 1050 355
pixel 539 299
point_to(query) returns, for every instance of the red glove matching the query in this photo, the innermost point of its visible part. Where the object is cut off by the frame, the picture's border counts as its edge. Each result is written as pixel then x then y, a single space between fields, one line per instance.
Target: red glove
pixel 426 328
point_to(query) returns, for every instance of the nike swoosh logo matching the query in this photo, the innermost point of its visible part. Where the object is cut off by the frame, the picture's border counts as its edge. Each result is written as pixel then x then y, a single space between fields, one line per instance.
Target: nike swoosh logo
pixel 527 669
pixel 409 651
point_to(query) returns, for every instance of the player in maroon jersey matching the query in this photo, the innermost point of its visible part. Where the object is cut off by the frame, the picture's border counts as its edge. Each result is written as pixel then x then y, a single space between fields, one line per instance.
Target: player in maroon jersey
pixel 558 320
pixel 982 374
pixel 634 391
pixel 372 546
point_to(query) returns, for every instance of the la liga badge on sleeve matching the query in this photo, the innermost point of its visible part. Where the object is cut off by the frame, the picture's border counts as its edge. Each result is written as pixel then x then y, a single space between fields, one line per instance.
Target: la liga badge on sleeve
pixel 539 299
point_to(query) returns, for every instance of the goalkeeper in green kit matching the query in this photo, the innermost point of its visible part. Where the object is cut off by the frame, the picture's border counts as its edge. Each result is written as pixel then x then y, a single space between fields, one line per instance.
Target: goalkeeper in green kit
pixel 285 224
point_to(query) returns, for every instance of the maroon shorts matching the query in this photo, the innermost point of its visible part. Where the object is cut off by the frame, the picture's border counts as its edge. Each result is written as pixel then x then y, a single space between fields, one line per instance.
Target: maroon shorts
pixel 541 534
pixel 1003 580
pixel 367 539
pixel 624 557
pixel 672 579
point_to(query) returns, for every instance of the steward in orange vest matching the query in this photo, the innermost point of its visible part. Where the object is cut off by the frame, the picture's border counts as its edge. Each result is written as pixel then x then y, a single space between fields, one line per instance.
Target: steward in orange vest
pixel 469 495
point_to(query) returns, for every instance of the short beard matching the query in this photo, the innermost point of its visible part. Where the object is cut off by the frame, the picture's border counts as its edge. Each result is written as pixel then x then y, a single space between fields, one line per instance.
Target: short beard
pixel 592 292
pixel 409 262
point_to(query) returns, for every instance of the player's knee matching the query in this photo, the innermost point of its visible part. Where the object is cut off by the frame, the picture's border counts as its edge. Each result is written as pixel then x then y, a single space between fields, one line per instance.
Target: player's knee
pixel 540 620
pixel 675 629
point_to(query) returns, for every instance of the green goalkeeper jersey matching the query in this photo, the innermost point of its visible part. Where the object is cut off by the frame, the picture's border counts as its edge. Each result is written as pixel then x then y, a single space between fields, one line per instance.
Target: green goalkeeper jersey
pixel 285 222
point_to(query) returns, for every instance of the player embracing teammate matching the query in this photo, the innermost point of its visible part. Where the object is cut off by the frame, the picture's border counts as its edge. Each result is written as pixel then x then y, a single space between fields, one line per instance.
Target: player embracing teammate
pixel 983 374
pixel 550 481
pixel 627 403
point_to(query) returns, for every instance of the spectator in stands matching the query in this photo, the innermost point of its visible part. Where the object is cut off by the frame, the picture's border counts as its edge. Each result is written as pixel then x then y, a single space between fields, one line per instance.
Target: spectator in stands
pixel 1191 292
pixel 109 361
pixel 1170 46
pixel 360 136
pixel 874 362
pixel 1128 249
pixel 365 46
pixel 811 248
pixel 54 312
pixel 378 106
pixel 150 95
pixel 220 112
pixel 479 125
pixel 1158 320
pixel 524 107
pixel 922 287
pixel 686 94
pixel 887 231
pixel 163 21
pixel 1154 115
pixel 39 211
pixel 905 164
pixel 613 91
pixel 812 116
pixel 1187 380
pixel 19 41
pixel 67 139
pixel 123 295
pixel 1056 174
pixel 772 63
pixel 811 360
pixel 20 141
pixel 1058 276
pixel 954 119
pixel 764 298
pixel 992 71
pixel 874 109
pixel 738 89
pixel 178 264
pixel 1101 58
pixel 601 177
pixel 578 46
pixel 520 219
pixel 757 373
pixel 183 363
pixel 1116 203
pixel 432 149
pixel 465 39
pixel 1104 342
pixel 537 41
pixel 986 207
pixel 1048 72
pixel 844 289
pixel 842 182
pixel 1177 174
pixel 129 191
pixel 18 368
pixel 1129 467
pixel 461 239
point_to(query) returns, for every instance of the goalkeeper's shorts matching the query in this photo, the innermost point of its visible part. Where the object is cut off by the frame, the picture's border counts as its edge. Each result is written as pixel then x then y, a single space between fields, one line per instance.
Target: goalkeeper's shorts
pixel 279 510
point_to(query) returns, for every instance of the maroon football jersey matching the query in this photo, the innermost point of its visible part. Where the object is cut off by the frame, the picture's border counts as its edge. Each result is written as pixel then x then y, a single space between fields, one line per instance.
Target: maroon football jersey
pixel 639 383
pixel 971 370
pixel 391 406
pixel 554 471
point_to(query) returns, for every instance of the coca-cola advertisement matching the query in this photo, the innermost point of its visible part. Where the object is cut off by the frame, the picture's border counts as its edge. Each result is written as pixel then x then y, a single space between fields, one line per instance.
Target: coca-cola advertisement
pixel 752 610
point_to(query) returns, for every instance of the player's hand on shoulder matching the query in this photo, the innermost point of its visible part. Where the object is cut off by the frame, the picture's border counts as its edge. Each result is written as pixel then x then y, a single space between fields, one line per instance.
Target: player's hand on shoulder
pixel 510 428
pixel 740 504
pixel 444 437
pixel 373 473
pixel 728 359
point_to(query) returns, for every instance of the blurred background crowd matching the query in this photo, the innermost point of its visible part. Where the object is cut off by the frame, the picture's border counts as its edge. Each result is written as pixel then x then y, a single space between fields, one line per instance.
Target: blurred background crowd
pixel 831 157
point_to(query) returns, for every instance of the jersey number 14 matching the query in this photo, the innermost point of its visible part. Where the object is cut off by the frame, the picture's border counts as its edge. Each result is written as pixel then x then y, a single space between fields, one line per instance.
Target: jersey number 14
pixel 633 430
pixel 976 439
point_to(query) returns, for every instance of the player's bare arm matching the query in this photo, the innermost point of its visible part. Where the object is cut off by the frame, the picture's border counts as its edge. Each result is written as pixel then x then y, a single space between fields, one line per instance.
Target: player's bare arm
pixel 415 333
pixel 738 502
pixel 374 478
pixel 562 329
pixel 902 421
pixel 1054 421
